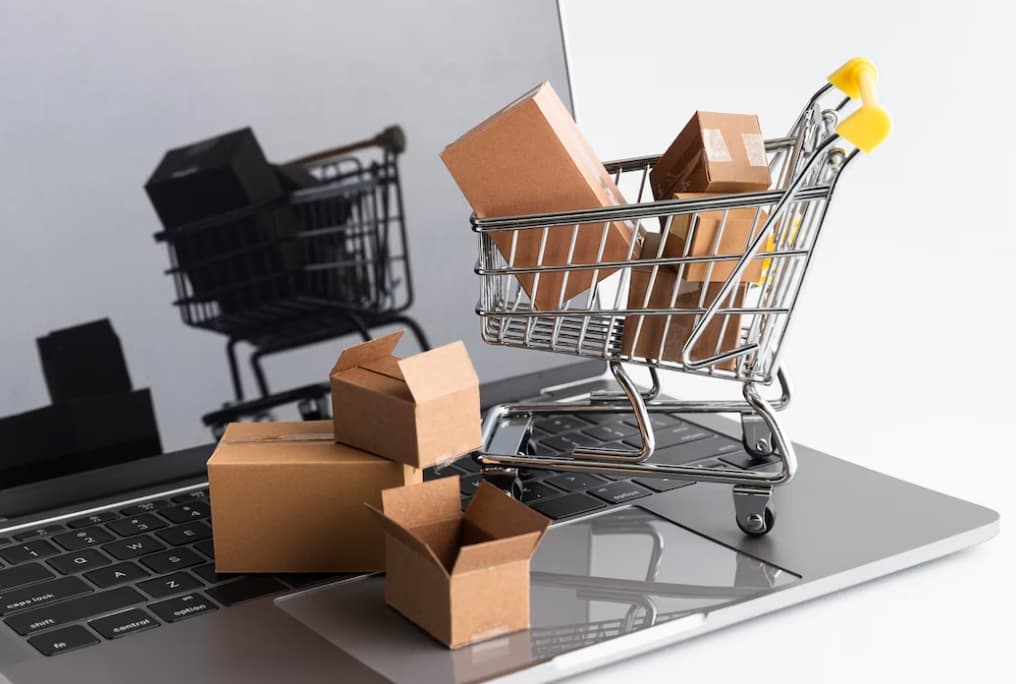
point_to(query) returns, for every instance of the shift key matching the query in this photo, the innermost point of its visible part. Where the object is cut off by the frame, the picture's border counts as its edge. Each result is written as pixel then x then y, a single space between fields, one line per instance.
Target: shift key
pixel 73 610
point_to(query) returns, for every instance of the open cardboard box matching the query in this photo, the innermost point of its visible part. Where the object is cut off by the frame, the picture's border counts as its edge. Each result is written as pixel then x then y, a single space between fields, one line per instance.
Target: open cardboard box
pixel 286 498
pixel 462 577
pixel 422 410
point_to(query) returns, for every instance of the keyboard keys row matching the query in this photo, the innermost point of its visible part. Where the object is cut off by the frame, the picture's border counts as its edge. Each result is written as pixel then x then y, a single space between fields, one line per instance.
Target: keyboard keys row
pixel 76 609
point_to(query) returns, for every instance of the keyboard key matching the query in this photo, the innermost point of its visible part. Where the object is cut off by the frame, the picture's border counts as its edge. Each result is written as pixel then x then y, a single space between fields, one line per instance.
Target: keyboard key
pixel 199 495
pixel 662 484
pixel 619 492
pixel 535 473
pixel 128 622
pixel 132 548
pixel 186 512
pixel 32 550
pixel 574 482
pixel 206 548
pixel 468 464
pixel 169 561
pixel 63 640
pixel 41 594
pixel 137 524
pixel 682 433
pixel 534 491
pixel 566 443
pixel 185 534
pixel 72 541
pixel 567 505
pixel 556 424
pixel 115 574
pixel 85 559
pixel 611 433
pixel 469 485
pixel 144 507
pixel 743 460
pixel 659 421
pixel 90 520
pixel 183 607
pixel 207 573
pixel 39 532
pixel 682 454
pixel 248 587
pixel 73 610
pixel 23 574
pixel 712 463
pixel 170 584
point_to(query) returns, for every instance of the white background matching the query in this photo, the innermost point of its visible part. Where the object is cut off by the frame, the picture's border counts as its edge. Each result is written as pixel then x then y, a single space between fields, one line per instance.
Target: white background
pixel 901 351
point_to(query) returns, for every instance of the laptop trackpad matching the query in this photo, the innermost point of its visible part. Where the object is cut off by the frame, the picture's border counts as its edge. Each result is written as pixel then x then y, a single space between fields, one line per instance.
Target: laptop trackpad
pixel 592 580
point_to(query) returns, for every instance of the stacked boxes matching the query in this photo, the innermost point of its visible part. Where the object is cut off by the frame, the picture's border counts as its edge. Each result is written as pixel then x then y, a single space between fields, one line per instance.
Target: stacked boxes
pixel 348 495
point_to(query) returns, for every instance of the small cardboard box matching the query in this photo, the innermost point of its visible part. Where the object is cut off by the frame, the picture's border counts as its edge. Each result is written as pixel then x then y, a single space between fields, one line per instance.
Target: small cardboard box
pixel 531 158
pixel 724 330
pixel 421 410
pixel 461 577
pixel 286 498
pixel 740 227
pixel 713 153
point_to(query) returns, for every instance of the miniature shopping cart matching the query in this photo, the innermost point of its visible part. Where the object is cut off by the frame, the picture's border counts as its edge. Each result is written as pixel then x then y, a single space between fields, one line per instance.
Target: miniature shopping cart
pixel 733 331
pixel 325 260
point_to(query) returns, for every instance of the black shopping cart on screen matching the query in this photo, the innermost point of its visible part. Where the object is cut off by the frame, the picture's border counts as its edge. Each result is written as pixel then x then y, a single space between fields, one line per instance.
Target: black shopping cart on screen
pixel 323 261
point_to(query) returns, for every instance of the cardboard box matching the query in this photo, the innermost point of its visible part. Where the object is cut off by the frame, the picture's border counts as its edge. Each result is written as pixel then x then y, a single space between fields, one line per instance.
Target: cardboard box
pixel 286 498
pixel 421 410
pixel 722 329
pixel 461 577
pixel 531 158
pixel 737 234
pixel 713 153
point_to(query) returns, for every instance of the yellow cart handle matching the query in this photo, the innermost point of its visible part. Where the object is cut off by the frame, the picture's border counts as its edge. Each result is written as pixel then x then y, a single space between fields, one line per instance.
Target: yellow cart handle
pixel 869 126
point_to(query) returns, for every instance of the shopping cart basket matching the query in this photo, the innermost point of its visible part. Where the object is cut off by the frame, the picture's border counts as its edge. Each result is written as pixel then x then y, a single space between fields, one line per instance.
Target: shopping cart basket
pixel 323 261
pixel 733 331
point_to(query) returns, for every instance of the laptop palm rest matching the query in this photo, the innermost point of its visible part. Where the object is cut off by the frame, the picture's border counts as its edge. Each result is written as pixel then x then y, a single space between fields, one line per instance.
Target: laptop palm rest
pixel 593 579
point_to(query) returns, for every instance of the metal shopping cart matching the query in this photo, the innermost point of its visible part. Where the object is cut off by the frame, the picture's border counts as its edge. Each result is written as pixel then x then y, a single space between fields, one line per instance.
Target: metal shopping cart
pixel 733 331
pixel 324 261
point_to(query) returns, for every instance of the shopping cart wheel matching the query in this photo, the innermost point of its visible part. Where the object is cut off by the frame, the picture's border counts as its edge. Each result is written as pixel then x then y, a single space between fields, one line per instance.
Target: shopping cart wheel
pixel 753 509
pixel 505 479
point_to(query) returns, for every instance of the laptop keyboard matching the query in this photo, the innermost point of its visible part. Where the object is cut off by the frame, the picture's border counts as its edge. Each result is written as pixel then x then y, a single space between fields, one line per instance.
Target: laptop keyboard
pixel 115 573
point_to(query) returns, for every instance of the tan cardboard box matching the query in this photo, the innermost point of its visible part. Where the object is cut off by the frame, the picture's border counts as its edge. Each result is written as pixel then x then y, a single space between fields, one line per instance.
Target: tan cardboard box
pixel 421 410
pixel 531 158
pixel 737 233
pixel 461 577
pixel 722 329
pixel 714 152
pixel 286 498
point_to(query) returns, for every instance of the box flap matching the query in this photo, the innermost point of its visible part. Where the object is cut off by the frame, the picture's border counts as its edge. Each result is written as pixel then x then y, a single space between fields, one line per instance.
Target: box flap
pixel 406 537
pixel 299 431
pixel 495 552
pixel 438 372
pixel 387 366
pixel 421 504
pixel 364 352
pixel 498 516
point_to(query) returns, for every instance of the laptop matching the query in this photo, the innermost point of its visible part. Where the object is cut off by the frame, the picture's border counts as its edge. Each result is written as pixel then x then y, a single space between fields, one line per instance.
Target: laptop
pixel 107 573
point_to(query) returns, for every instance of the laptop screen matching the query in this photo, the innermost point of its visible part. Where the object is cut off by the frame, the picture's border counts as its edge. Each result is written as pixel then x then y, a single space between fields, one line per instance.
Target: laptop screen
pixel 96 109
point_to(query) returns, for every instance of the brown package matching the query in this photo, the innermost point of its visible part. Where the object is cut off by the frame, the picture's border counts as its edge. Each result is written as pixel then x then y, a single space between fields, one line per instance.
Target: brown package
pixel 421 410
pixel 286 498
pixel 681 325
pixel 462 577
pixel 531 158
pixel 734 241
pixel 713 153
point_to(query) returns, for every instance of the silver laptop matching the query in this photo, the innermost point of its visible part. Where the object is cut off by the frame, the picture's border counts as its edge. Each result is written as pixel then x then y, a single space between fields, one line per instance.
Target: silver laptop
pixel 107 573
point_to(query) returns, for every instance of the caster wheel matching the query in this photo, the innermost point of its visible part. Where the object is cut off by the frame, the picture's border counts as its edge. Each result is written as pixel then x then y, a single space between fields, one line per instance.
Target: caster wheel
pixel 758 525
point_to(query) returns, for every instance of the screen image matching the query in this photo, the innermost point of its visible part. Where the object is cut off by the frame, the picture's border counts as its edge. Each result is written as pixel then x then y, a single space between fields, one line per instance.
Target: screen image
pixel 86 128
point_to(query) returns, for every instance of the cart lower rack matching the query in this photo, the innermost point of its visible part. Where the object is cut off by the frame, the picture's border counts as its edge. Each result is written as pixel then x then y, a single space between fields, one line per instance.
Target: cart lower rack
pixel 730 328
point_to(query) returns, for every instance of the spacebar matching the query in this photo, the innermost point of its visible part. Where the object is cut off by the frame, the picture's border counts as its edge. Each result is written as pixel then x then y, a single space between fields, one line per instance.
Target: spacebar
pixel 73 610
